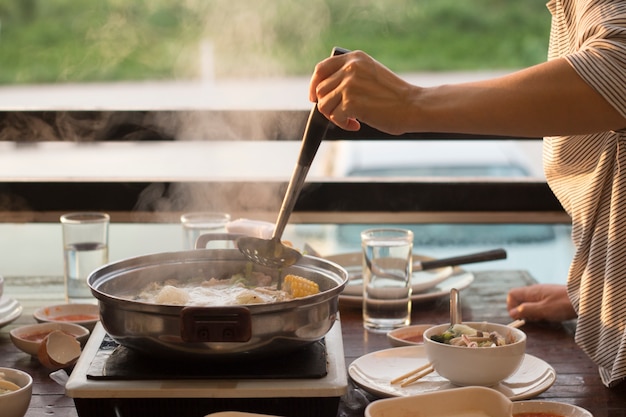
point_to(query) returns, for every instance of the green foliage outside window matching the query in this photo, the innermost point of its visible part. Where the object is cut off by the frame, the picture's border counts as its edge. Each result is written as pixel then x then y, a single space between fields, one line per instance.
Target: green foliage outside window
pixel 44 41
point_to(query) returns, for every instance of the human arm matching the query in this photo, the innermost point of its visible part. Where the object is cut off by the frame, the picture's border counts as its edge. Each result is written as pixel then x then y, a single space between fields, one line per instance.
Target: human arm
pixel 540 302
pixel 543 100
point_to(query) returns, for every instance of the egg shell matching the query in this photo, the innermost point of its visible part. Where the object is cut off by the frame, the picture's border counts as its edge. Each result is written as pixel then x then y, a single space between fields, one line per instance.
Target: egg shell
pixel 59 350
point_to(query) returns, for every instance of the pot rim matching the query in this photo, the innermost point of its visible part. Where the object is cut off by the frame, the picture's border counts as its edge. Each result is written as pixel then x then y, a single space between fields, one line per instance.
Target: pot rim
pixel 99 277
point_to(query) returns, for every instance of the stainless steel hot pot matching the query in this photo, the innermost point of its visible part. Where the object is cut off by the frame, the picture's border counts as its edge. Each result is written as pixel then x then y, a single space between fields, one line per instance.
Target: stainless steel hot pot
pixel 167 330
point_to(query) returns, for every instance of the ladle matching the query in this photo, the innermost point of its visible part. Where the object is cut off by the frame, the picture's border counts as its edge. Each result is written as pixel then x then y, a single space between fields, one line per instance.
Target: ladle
pixel 272 252
pixel 420 265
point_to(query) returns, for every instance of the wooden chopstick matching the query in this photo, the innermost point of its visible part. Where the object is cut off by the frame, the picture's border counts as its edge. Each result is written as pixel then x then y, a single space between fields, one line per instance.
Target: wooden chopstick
pixel 411 373
pixel 517 323
pixel 418 373
pixel 411 377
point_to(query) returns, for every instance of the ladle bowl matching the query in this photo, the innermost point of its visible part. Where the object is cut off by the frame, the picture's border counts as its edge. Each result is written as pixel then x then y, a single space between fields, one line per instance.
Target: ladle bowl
pixel 268 252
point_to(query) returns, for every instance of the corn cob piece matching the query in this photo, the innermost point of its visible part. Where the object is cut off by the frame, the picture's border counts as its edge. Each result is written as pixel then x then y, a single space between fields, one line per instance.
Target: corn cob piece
pixel 299 286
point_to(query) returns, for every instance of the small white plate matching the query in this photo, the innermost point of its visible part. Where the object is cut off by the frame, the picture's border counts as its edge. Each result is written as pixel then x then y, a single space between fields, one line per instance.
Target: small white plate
pixel 10 310
pixel 460 279
pixel 420 281
pixel 374 371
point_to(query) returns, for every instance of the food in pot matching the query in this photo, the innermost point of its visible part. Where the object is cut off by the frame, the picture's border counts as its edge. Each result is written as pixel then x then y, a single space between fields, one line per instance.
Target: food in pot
pixel 464 335
pixel 300 287
pixel 249 287
pixel 7 386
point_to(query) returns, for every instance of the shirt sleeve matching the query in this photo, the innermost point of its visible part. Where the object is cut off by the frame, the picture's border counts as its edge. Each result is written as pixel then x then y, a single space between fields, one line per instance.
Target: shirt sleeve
pixel 601 57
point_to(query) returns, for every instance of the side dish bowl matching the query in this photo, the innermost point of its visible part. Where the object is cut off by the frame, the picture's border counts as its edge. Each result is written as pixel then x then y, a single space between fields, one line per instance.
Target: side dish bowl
pixel 408 336
pixel 14 403
pixel 86 315
pixel 549 408
pixel 28 338
pixel 485 366
pixel 466 401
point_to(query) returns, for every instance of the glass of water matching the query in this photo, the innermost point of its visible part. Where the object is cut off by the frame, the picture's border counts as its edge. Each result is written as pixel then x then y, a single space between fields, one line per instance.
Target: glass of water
pixel 387 270
pixel 85 248
pixel 199 223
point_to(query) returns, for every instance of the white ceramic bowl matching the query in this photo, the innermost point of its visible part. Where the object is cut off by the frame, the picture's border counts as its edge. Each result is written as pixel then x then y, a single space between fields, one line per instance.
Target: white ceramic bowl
pixel 86 315
pixel 408 336
pixel 550 407
pixel 1 285
pixel 15 403
pixel 466 401
pixel 28 338
pixel 486 366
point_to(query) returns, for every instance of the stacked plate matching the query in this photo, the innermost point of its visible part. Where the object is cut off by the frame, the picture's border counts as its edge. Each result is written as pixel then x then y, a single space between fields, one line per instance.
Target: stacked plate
pixel 9 308
pixel 427 285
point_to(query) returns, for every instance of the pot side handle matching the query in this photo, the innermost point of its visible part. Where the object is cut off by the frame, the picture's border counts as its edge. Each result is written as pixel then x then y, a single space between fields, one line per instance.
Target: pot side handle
pixel 204 239
pixel 215 324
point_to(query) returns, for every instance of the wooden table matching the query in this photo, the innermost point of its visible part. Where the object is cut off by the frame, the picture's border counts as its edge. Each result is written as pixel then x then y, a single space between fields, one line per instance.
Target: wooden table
pixel 577 380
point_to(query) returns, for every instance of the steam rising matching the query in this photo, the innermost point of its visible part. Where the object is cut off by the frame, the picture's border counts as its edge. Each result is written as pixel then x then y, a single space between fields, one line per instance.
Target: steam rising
pixel 243 36
pixel 246 33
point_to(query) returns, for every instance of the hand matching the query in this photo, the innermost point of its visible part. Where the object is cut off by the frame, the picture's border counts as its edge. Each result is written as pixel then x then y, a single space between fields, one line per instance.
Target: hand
pixel 551 97
pixel 354 88
pixel 538 302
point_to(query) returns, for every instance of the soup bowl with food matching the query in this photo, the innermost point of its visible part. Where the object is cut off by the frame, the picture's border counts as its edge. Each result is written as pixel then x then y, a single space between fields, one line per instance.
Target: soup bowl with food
pixel 475 353
pixel 16 389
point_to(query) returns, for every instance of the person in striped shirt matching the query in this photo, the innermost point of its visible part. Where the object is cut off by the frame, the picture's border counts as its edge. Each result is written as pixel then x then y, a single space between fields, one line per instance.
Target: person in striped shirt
pixel 576 100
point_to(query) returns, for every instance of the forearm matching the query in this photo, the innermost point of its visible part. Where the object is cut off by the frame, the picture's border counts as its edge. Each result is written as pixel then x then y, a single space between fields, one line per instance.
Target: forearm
pixel 547 99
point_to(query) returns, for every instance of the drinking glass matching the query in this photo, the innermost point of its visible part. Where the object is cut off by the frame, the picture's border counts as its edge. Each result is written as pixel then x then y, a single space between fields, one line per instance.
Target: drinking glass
pixel 387 270
pixel 85 248
pixel 199 223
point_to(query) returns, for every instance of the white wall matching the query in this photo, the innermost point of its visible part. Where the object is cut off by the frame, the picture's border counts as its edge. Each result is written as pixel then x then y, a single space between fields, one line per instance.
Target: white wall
pixel 33 249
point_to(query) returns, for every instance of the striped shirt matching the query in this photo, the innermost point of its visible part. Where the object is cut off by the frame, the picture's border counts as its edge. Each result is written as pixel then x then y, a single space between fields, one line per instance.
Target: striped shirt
pixel 585 173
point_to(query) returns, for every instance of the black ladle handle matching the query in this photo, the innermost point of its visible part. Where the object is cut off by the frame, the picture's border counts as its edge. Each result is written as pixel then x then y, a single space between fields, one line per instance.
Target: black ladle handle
pixel 316 127
pixel 489 255
pixel 314 132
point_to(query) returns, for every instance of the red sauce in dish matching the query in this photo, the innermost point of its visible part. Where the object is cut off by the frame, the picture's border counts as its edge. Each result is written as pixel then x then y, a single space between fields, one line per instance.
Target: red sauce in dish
pixel 417 338
pixel 75 317
pixel 541 414
pixel 39 337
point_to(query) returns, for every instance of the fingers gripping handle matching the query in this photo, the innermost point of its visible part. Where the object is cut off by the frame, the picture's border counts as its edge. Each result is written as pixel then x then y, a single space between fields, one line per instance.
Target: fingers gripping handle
pixel 316 127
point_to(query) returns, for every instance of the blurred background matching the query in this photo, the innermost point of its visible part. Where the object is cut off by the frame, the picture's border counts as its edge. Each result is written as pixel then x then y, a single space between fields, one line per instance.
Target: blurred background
pixel 56 41
pixel 257 54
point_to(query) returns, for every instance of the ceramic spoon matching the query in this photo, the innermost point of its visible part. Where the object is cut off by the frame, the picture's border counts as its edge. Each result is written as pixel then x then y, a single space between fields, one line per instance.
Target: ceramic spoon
pixel 455 307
